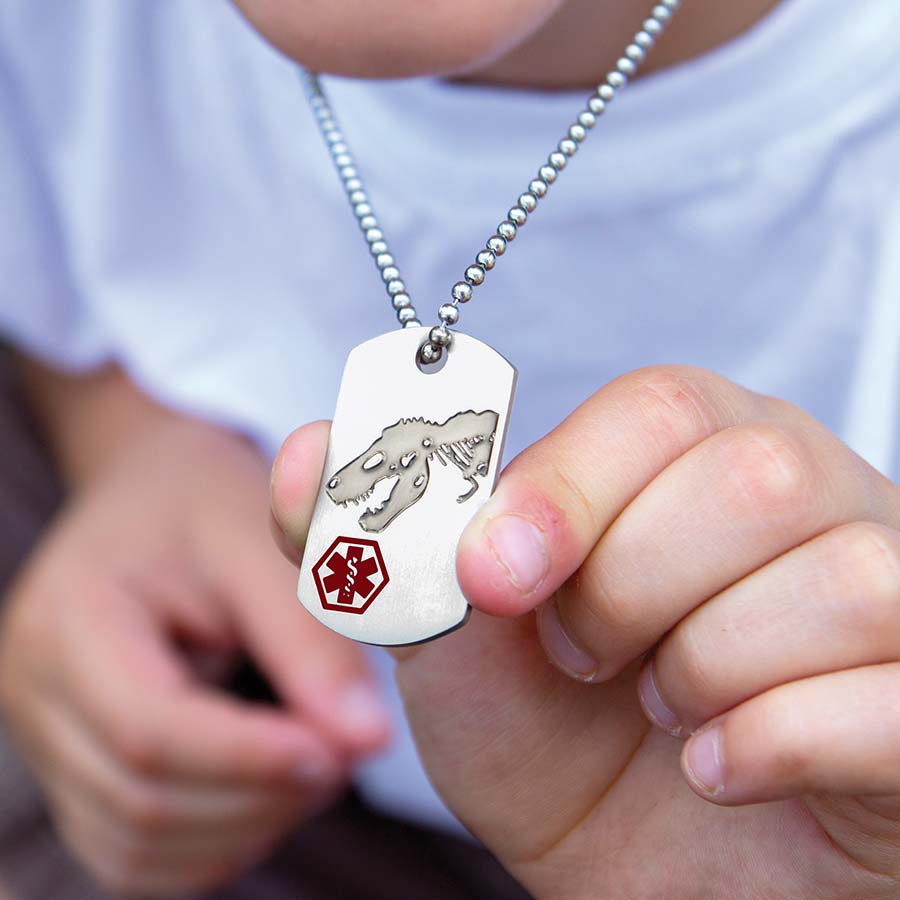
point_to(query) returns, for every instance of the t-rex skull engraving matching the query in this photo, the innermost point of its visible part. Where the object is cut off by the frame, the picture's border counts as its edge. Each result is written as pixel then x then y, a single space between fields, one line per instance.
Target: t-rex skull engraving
pixel 404 451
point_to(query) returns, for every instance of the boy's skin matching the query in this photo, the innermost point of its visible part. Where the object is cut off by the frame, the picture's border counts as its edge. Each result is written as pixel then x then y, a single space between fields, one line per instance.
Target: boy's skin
pixel 157 572
pixel 527 43
pixel 704 544
pixel 687 528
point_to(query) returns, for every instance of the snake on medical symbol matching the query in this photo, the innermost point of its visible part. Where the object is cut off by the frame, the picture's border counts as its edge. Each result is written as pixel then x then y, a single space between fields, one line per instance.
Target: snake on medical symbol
pixel 404 451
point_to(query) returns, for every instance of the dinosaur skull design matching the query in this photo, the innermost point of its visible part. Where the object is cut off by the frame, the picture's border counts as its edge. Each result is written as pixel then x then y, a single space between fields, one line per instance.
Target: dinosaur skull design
pixel 404 452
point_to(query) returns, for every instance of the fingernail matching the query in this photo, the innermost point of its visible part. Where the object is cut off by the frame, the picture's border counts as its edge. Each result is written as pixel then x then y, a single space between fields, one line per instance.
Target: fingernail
pixel 519 546
pixel 654 705
pixel 359 709
pixel 704 761
pixel 561 650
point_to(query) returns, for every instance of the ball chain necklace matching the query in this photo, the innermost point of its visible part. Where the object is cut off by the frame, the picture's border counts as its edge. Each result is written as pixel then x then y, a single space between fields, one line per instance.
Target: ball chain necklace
pixel 420 421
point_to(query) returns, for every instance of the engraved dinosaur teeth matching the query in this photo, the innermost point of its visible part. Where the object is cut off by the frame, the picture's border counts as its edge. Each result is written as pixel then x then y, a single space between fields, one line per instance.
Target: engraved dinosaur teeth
pixel 455 440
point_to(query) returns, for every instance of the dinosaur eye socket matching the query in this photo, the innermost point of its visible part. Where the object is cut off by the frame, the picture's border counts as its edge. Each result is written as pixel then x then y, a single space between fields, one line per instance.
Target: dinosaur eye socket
pixel 406 460
pixel 334 482
pixel 376 459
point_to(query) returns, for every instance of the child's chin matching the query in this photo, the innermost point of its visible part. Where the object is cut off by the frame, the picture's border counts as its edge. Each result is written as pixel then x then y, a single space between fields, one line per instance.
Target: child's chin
pixel 396 38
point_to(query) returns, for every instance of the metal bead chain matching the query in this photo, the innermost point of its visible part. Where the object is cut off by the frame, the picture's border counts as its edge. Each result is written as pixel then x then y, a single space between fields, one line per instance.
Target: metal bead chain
pixel 626 67
pixel 359 201
pixel 440 336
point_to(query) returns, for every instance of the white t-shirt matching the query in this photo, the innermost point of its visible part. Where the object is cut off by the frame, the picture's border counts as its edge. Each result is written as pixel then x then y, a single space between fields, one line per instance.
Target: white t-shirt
pixel 165 201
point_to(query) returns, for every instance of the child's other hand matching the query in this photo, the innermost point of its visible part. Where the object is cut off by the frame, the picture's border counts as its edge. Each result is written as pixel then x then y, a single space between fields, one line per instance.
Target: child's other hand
pixel 724 558
pixel 158 571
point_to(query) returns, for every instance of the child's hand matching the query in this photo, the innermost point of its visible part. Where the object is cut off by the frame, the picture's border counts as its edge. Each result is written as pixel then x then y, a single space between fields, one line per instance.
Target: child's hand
pixel 723 557
pixel 158 570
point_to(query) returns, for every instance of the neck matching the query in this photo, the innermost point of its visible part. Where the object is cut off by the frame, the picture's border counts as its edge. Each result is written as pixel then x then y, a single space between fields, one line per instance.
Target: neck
pixel 577 44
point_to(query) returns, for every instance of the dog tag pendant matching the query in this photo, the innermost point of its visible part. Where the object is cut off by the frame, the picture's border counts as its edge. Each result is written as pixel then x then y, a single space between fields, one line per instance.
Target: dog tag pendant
pixel 412 456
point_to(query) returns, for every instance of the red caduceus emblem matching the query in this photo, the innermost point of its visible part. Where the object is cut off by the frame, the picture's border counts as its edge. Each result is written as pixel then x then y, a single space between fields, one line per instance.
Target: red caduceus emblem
pixel 350 574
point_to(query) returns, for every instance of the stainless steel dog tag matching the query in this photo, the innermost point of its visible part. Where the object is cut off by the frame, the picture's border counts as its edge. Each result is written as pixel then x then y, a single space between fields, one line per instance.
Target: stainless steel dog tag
pixel 411 458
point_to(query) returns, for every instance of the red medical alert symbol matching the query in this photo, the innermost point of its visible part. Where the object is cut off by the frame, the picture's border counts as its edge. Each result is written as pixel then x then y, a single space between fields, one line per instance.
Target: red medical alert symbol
pixel 350 574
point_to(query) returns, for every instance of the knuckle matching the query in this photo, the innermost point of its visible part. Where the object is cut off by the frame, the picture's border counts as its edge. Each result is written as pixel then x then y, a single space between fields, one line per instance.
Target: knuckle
pixel 603 609
pixel 866 557
pixel 790 763
pixel 675 404
pixel 691 673
pixel 769 467
pixel 791 756
pixel 571 487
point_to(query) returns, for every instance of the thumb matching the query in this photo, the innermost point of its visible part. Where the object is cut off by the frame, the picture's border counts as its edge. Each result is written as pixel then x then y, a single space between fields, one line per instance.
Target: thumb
pixel 296 474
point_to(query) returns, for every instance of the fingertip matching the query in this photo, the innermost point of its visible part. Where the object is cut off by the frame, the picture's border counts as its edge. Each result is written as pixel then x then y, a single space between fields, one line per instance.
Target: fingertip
pixel 296 474
pixel 562 649
pixel 306 758
pixel 704 765
pixel 656 709
pixel 484 579
pixel 516 552
pixel 361 717
pixel 351 717
pixel 317 771
pixel 220 737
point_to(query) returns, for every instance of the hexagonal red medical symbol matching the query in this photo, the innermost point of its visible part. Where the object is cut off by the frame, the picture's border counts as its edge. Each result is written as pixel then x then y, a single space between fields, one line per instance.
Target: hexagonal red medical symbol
pixel 350 574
